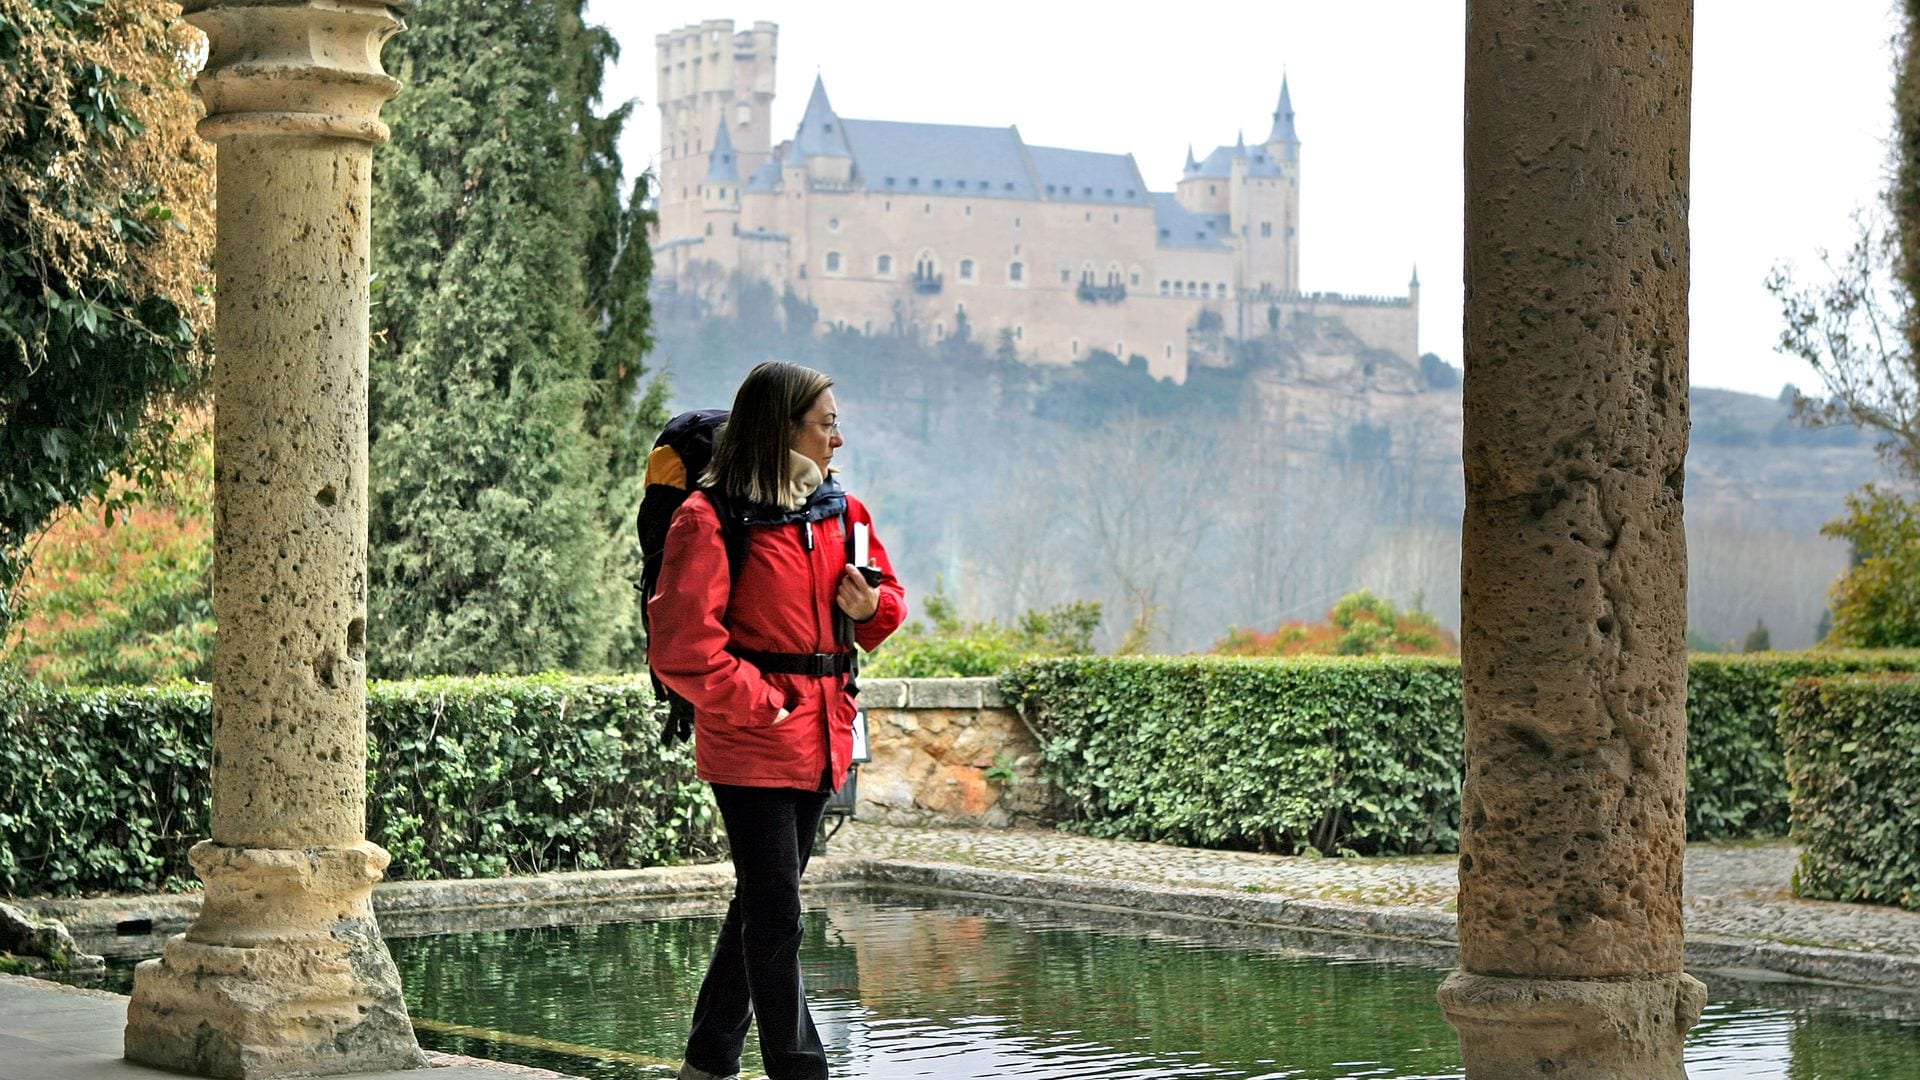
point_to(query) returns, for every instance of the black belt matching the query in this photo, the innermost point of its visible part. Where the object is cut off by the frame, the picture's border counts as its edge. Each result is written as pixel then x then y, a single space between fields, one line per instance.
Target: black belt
pixel 801 663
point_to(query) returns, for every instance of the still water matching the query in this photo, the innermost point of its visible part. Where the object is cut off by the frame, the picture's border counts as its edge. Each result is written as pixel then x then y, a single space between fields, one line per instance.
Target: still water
pixel 914 985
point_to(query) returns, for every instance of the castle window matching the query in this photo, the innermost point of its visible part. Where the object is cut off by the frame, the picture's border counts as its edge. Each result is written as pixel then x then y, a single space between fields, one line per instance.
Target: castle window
pixel 1169 352
pixel 1009 185
pixel 887 206
pixel 828 127
pixel 1206 291
pixel 1164 233
pixel 1089 217
pixel 1109 193
pixel 1016 272
pixel 833 262
pixel 1133 277
pixel 1163 286
pixel 883 265
pixel 1076 346
pixel 969 211
pixel 1129 193
pixel 966 269
pixel 1087 191
pixel 1016 223
pixel 1066 275
pixel 913 181
pixel 928 209
pixel 889 181
pixel 1266 228
pixel 709 228
pixel 1019 333
pixel 940 331
pixel 1213 189
pixel 1222 289
pixel 1049 189
pixel 986 185
pixel 1116 219
pixel 936 184
pixel 833 224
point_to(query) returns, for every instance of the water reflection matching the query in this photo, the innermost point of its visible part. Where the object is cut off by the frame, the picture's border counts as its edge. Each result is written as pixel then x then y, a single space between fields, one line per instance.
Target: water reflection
pixel 912 986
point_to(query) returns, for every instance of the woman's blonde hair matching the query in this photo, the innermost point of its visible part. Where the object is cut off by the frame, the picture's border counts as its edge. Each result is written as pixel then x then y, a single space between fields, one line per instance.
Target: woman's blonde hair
pixel 750 449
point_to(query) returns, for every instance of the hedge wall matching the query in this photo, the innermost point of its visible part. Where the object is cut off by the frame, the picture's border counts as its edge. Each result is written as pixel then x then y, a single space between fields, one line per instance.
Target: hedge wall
pixel 1736 770
pixel 1855 787
pixel 104 789
pixel 1331 754
pixel 1359 754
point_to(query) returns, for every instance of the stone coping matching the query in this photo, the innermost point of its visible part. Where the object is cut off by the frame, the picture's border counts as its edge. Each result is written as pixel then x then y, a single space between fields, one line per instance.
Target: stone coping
pixel 975 693
pixel 419 907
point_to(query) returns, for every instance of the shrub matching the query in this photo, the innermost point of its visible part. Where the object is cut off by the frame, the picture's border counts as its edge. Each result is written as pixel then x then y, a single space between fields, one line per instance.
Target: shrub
pixel 945 647
pixel 106 788
pixel 1360 624
pixel 1855 787
pixel 1876 603
pixel 1326 754
pixel 1736 769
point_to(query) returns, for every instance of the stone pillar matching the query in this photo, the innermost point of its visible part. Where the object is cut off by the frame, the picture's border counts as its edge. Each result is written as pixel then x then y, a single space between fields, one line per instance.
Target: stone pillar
pixel 1573 575
pixel 284 972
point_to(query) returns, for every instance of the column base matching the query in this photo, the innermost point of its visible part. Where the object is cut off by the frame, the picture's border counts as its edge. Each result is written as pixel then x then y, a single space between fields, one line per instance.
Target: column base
pixel 283 974
pixel 1572 1029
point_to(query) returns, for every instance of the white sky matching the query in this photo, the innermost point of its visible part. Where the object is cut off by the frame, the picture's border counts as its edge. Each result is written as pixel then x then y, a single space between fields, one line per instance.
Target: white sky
pixel 1791 114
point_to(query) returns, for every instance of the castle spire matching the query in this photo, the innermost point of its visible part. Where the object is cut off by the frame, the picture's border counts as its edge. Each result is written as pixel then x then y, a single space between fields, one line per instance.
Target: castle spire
pixel 720 162
pixel 1415 283
pixel 1192 165
pixel 820 133
pixel 1283 133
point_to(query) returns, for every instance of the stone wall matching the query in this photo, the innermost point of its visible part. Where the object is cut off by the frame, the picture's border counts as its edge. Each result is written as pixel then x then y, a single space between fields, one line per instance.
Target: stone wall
pixel 950 752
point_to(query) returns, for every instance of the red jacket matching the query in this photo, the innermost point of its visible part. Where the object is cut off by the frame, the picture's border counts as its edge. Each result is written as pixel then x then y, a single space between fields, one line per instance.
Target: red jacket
pixel 782 601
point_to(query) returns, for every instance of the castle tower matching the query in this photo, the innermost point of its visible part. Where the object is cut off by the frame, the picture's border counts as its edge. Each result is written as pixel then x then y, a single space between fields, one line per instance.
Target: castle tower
pixel 710 77
pixel 1282 249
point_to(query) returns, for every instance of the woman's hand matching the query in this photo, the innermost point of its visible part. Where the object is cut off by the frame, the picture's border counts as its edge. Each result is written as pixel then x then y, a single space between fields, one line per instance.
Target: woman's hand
pixel 857 598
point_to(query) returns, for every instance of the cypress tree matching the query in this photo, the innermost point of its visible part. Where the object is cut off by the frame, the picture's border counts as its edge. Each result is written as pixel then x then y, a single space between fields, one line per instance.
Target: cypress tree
pixel 504 382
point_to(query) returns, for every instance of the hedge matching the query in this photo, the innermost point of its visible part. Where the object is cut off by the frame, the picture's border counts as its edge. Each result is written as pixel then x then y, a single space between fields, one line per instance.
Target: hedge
pixel 1331 754
pixel 1360 754
pixel 1854 780
pixel 105 789
pixel 1736 769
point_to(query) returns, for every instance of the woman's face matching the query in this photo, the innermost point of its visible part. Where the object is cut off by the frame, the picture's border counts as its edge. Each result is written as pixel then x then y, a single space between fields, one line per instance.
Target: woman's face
pixel 817 433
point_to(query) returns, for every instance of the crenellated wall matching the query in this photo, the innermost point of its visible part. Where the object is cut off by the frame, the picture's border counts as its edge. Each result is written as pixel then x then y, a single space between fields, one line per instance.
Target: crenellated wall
pixel 950 752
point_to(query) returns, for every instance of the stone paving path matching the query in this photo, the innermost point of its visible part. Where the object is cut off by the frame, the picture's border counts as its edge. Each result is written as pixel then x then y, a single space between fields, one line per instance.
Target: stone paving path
pixel 1737 890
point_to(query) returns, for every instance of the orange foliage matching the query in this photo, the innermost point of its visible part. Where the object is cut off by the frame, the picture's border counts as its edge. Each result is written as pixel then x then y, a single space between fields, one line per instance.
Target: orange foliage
pixel 1361 624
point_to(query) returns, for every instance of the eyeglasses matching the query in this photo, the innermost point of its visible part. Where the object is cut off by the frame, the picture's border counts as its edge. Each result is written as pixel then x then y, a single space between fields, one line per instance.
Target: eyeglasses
pixel 832 426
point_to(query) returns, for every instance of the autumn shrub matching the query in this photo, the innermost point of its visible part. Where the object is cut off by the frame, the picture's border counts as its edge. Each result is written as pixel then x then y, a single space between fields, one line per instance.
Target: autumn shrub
pixel 1876 603
pixel 1360 624
pixel 125 595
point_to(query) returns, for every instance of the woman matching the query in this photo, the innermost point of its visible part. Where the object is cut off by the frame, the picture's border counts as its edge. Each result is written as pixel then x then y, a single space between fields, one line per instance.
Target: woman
pixel 761 655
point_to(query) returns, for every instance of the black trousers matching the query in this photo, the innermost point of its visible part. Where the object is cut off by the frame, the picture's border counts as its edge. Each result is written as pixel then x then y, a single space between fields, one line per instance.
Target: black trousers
pixel 755 971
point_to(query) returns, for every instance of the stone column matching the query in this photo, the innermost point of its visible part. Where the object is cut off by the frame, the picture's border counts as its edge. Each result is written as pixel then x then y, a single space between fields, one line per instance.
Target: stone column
pixel 1573 575
pixel 284 972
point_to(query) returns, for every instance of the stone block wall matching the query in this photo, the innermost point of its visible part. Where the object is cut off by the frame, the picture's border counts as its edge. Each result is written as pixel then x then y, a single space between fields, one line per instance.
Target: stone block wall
pixel 950 752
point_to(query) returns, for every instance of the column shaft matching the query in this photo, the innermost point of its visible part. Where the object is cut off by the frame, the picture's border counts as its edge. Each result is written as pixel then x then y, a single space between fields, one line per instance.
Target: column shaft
pixel 1573 574
pixel 284 972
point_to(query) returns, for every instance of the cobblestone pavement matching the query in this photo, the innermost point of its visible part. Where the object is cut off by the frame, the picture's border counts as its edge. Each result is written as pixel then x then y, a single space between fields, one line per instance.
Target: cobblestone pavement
pixel 1737 890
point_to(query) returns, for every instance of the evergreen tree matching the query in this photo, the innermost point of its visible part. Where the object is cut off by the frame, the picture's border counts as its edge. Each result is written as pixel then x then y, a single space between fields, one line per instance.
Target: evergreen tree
pixel 506 414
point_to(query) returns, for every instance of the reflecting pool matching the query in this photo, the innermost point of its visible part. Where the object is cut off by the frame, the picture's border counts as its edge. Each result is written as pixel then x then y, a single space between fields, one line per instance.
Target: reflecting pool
pixel 916 985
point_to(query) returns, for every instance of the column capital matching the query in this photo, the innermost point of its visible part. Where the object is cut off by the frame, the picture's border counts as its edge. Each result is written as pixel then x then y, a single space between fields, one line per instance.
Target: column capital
pixel 295 67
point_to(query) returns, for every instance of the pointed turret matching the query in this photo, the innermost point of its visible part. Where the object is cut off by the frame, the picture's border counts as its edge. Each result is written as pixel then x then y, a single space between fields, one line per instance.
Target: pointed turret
pixel 1192 165
pixel 1283 139
pixel 1240 141
pixel 1415 283
pixel 722 167
pixel 820 134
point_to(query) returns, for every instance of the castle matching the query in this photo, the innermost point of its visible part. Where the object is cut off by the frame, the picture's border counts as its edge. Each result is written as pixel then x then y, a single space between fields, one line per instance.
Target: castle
pixel 931 230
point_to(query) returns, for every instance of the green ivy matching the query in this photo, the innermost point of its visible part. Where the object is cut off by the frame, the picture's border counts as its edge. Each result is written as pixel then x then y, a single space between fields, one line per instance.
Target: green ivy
pixel 1328 754
pixel 105 789
pixel 1855 787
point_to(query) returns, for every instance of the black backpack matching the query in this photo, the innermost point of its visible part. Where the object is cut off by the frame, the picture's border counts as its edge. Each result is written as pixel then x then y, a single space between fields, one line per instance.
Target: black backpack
pixel 679 459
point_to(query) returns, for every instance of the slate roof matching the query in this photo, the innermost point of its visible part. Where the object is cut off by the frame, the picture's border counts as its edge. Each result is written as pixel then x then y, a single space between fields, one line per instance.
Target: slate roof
pixel 1219 164
pixel 1085 176
pixel 1283 132
pixel 821 133
pixel 1177 226
pixel 940 159
pixel 721 165
pixel 767 176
